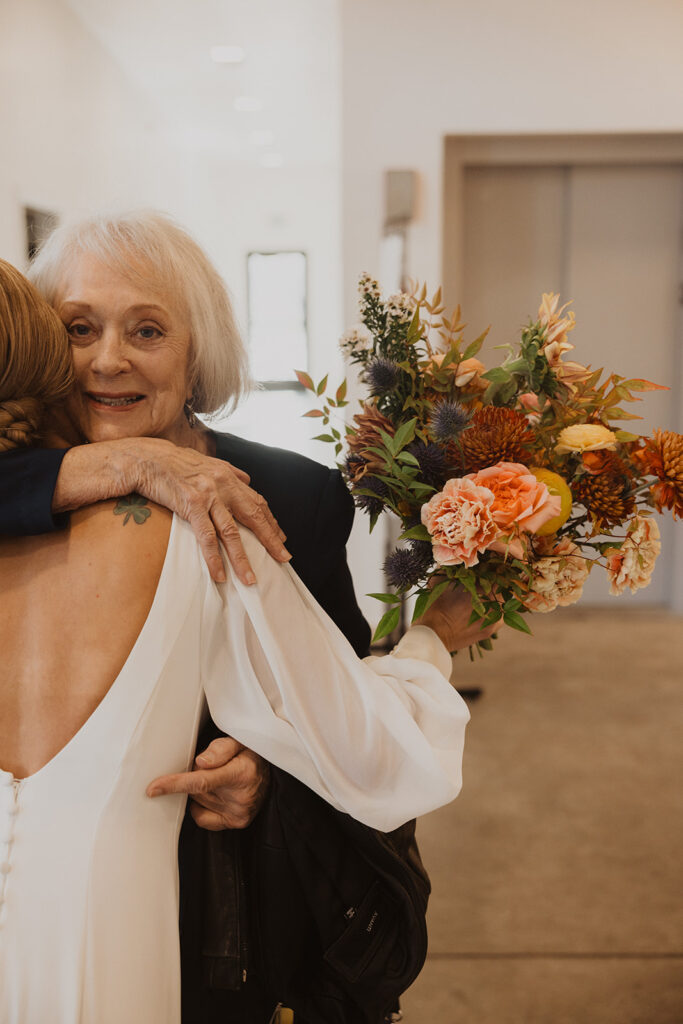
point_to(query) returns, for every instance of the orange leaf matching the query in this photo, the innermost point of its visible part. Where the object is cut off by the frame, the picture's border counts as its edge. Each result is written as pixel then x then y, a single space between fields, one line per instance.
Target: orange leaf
pixel 314 412
pixel 645 385
pixel 304 379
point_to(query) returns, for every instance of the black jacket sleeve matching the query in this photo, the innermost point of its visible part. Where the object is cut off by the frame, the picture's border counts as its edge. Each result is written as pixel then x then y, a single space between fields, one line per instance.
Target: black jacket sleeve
pixel 27 482
pixel 334 586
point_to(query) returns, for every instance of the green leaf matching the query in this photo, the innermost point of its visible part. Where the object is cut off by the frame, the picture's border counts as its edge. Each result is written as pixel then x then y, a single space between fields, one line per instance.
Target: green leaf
pixel 420 605
pixel 497 375
pixel 625 437
pixel 387 598
pixel 516 621
pixel 341 392
pixel 407 458
pixel 473 347
pixel 428 597
pixel 419 488
pixel 322 385
pixel 323 437
pixel 416 533
pixel 404 435
pixel 388 623
pixel 486 645
pixel 493 615
pixel 335 434
pixel 387 440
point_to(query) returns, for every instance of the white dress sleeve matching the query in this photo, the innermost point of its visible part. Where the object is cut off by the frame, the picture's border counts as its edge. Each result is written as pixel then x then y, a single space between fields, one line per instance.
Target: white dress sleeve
pixel 380 738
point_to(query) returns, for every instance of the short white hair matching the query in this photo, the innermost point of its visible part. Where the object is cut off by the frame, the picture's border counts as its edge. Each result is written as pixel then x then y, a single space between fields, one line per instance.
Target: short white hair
pixel 145 245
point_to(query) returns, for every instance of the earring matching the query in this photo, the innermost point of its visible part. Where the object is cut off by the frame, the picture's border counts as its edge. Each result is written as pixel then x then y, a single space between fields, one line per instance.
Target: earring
pixel 188 409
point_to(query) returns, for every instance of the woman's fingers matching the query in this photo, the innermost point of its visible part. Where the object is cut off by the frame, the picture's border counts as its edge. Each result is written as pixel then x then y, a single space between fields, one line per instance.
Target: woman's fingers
pixel 225 529
pixel 207 537
pixel 250 509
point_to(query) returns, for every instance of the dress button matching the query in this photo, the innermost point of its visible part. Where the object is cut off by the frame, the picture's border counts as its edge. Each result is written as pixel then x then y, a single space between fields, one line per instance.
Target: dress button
pixel 5 868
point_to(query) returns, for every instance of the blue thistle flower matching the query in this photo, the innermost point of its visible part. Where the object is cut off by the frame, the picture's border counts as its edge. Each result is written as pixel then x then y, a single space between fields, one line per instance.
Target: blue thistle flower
pixel 373 503
pixel 447 420
pixel 424 555
pixel 403 568
pixel 382 375
pixel 431 460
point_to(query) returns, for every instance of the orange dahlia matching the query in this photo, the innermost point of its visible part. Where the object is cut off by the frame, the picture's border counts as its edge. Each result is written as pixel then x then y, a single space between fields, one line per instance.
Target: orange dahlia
pixel 662 456
pixel 495 435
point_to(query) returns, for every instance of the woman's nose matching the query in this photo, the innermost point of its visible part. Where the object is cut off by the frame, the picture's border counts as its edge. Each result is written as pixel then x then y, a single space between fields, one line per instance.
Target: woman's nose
pixel 110 355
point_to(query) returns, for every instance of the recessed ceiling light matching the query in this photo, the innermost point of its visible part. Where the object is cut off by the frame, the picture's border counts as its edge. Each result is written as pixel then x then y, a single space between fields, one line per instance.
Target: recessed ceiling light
pixel 248 103
pixel 227 54
pixel 272 160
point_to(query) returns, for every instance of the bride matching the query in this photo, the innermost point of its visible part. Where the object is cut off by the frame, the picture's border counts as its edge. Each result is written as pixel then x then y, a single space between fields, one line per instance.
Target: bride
pixel 116 645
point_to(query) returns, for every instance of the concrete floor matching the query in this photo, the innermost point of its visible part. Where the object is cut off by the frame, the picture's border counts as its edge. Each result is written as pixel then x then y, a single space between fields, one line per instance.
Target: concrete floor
pixel 558 872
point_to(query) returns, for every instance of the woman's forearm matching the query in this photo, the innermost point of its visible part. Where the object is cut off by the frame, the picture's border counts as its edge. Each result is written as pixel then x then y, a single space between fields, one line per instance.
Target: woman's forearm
pixel 94 472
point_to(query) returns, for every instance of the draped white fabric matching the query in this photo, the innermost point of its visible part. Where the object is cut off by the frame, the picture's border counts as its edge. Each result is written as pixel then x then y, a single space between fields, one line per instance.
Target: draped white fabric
pixel 381 739
pixel 88 863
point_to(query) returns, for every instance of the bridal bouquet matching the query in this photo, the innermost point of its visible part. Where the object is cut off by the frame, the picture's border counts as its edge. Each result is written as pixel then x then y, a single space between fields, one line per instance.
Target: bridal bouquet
pixel 513 481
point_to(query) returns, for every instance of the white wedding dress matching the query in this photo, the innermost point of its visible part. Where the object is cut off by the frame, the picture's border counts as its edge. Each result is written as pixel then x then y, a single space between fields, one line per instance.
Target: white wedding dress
pixel 88 863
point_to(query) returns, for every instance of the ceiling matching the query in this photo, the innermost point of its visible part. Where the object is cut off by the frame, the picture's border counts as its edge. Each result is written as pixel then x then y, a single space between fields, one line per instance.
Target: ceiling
pixel 291 64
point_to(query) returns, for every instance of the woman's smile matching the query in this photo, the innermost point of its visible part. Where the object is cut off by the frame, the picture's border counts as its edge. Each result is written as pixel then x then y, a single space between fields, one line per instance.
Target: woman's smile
pixel 131 349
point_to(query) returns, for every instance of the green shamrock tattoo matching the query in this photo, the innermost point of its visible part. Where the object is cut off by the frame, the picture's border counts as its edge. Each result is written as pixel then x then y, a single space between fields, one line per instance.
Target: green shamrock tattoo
pixel 133 505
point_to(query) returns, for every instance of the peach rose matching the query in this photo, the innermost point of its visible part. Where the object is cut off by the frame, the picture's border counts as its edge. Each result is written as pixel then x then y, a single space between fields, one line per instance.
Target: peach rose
pixel 558 577
pixel 469 371
pixel 460 522
pixel 529 401
pixel 521 502
pixel 632 564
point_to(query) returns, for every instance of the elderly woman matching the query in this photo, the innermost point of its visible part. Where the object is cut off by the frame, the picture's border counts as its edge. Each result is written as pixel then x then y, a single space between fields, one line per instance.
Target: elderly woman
pixel 381 742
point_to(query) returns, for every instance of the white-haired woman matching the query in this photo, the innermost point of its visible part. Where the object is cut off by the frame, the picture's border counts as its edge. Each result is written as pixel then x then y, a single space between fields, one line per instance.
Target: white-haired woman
pixel 118 636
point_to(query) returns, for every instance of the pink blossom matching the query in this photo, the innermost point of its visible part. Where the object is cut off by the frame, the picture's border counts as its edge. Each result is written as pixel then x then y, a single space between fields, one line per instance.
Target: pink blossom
pixel 460 522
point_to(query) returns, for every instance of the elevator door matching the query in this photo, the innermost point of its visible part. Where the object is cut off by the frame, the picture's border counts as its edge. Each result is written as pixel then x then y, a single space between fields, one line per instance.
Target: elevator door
pixel 606 236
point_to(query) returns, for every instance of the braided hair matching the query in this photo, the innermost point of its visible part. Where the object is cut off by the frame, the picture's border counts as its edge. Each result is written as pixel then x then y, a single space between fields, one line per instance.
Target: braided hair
pixel 35 360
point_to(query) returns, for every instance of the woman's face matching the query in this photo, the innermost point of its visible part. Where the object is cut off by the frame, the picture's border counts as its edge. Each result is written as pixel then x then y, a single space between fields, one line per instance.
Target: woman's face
pixel 131 353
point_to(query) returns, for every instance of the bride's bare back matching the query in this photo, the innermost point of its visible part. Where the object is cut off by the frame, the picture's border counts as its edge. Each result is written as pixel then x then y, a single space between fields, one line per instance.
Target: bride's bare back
pixel 73 604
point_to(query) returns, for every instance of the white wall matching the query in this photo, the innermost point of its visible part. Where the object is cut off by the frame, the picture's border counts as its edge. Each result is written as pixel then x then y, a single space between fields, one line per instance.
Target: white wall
pixel 79 134
pixel 75 135
pixel 413 73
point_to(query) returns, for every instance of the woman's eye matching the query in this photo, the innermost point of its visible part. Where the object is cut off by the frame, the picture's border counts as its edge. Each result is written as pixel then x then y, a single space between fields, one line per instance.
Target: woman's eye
pixel 79 330
pixel 148 333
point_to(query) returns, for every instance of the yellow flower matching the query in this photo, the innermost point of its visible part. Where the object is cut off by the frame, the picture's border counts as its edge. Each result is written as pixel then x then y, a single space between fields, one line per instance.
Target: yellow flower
pixel 585 437
pixel 557 485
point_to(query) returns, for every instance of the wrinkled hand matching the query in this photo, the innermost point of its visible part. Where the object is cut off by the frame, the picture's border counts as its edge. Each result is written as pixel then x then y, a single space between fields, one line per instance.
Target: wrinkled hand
pixel 449 617
pixel 226 787
pixel 209 493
